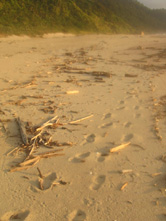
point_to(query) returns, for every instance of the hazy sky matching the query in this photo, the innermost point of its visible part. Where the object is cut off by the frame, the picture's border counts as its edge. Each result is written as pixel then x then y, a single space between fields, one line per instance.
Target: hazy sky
pixel 154 3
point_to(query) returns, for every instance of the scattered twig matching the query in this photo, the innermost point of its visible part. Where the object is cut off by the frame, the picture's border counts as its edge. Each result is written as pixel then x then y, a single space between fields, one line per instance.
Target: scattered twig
pixel 41 183
pixel 40 174
pixel 156 174
pixel 48 123
pixel 116 149
pixel 22 131
pixel 126 171
pixel 12 151
pixel 79 120
pixel 72 92
pixel 124 186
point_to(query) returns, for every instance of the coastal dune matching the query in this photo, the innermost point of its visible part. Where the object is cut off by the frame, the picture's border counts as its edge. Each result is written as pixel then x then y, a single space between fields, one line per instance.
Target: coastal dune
pixel 91 141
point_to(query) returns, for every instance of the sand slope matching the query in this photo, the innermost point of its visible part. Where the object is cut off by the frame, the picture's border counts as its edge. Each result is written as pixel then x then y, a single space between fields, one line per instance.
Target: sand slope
pixel 118 82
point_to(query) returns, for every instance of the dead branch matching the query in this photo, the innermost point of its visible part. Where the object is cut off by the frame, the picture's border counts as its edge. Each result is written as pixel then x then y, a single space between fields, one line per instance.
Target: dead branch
pixel 22 131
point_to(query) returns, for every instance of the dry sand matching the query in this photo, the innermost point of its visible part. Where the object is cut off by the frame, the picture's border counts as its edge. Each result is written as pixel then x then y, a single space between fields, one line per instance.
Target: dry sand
pixel 120 82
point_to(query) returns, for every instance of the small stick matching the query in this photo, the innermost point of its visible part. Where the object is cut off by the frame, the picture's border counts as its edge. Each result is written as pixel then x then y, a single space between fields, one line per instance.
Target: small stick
pixel 126 171
pixel 50 152
pixel 72 92
pixel 40 174
pixel 51 155
pixel 33 146
pixel 156 174
pixel 17 148
pixel 36 136
pixel 124 185
pixel 47 123
pixel 81 119
pixel 22 131
pixel 28 162
pixel 41 183
pixel 115 149
pixel 24 168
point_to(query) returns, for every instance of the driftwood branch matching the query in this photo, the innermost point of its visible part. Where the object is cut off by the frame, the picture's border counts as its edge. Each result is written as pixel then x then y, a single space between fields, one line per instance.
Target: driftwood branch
pixel 22 131
pixel 48 123
pixel 79 120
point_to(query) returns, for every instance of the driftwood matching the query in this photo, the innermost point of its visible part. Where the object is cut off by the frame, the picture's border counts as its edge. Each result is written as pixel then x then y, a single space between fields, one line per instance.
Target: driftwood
pixel 72 92
pixel 48 123
pixel 12 151
pixel 79 120
pixel 120 147
pixel 34 143
pixel 22 131
pixel 126 171
pixel 24 167
pixel 124 185
pixel 35 159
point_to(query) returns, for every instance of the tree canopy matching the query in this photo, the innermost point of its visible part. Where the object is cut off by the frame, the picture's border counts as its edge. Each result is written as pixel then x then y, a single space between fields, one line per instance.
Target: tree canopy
pixel 104 16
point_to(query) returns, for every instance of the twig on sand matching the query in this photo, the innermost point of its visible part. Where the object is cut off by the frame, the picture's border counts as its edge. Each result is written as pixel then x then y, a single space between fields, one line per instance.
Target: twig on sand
pixel 79 120
pixel 12 151
pixel 34 143
pixel 23 167
pixel 35 159
pixel 41 183
pixel 40 174
pixel 124 186
pixel 72 92
pixel 48 123
pixel 22 131
pixel 120 147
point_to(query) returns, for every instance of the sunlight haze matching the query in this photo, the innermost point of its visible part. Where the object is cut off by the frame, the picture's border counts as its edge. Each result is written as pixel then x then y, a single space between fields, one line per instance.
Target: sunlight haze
pixel 154 3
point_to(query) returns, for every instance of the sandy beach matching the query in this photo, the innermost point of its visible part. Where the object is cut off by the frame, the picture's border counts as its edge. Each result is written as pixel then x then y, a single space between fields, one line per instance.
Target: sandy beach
pixel 102 155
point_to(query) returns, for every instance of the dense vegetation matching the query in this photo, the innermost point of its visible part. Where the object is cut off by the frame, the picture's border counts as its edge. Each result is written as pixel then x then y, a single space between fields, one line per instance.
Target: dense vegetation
pixel 106 16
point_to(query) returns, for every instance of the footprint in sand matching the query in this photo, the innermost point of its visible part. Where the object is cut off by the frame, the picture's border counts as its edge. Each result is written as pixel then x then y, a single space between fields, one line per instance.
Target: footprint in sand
pixel 102 157
pixel 80 158
pixel 77 215
pixel 106 125
pixel 121 102
pixel 91 138
pixel 97 182
pixel 47 182
pixel 127 124
pixel 136 107
pixel 128 137
pixel 106 116
pixel 19 215
pixel 137 115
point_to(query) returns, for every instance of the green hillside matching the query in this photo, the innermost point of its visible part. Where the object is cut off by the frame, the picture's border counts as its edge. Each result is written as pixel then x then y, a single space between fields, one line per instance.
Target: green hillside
pixel 104 16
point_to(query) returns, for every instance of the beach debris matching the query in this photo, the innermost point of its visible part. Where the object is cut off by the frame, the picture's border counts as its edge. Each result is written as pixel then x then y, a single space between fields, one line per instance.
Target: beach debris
pixel 126 171
pixel 120 147
pixel 81 119
pixel 142 33
pixel 22 131
pixel 33 160
pixel 72 92
pixel 30 145
pixel 131 75
pixel 124 186
pixel 48 181
pixel 156 174
pixel 2 112
pixel 40 174
pixel 163 158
